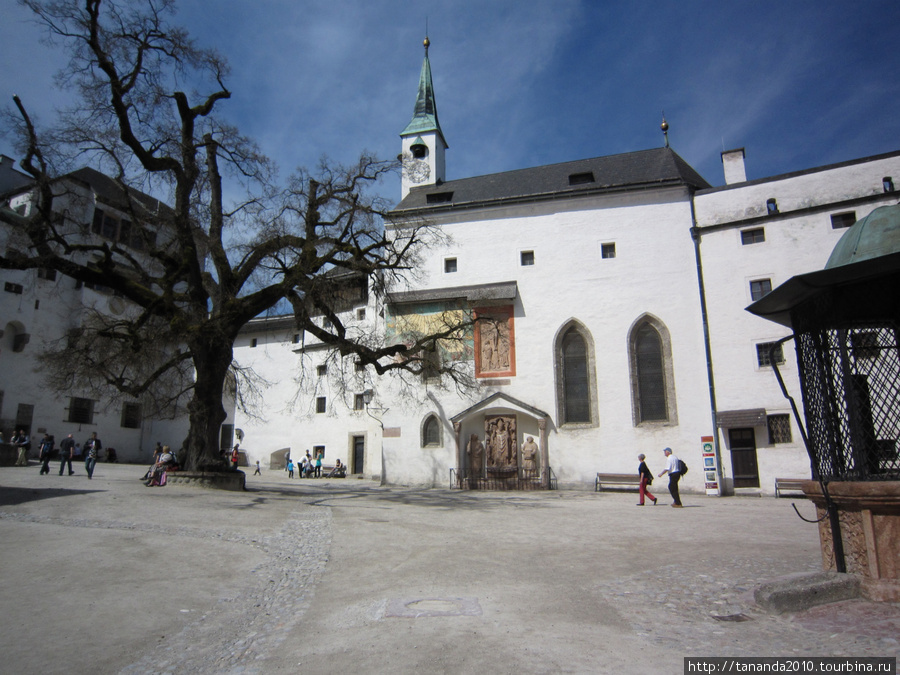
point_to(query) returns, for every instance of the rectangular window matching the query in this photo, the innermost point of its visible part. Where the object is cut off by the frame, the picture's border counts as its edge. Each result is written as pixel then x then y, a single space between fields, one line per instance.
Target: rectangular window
pixel 361 314
pixel 779 428
pixel 319 451
pixel 431 366
pixel 322 370
pixel 131 415
pixel 359 367
pixel 253 342
pixel 581 178
pixel 760 288
pixel 81 411
pixel 320 404
pixel 359 402
pixel 449 265
pixel 607 251
pixel 10 287
pixel 754 236
pixel 842 220
pixel 24 416
pixel 48 275
pixel 762 354
pixel 864 344
pixel 296 338
pixel 527 258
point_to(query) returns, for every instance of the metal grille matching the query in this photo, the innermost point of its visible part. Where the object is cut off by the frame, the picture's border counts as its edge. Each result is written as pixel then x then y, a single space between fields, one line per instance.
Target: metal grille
pixel 851 392
pixel 497 479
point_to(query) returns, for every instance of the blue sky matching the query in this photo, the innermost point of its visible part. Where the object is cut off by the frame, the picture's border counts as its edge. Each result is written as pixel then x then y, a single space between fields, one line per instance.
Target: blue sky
pixel 798 84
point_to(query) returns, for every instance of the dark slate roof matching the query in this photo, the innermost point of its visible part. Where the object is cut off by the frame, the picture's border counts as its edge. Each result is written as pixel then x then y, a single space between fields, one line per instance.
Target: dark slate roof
pixel 658 167
pixel 11 179
pixel 505 290
pixel 110 192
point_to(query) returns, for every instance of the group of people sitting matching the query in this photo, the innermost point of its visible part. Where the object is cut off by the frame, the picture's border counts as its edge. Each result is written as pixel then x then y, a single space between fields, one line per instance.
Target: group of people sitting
pixel 308 467
pixel 163 459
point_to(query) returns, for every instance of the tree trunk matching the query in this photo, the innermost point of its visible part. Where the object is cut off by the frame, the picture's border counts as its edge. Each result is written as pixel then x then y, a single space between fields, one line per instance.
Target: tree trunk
pixel 212 359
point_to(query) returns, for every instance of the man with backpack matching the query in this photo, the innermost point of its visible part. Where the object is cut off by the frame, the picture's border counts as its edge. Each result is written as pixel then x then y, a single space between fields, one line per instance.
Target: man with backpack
pixel 675 468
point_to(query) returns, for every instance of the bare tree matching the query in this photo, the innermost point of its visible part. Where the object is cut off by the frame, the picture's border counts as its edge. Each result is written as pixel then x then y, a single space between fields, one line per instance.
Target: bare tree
pixel 209 266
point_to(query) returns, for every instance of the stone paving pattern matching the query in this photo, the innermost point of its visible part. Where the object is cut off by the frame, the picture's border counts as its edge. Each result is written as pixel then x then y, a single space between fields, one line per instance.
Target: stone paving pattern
pixel 109 576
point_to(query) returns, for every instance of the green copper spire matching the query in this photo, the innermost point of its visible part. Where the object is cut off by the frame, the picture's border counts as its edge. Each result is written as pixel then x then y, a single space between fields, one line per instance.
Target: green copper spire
pixel 425 117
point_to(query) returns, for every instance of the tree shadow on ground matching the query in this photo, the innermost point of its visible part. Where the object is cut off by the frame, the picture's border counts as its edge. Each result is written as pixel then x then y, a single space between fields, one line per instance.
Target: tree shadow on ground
pixel 11 496
pixel 384 497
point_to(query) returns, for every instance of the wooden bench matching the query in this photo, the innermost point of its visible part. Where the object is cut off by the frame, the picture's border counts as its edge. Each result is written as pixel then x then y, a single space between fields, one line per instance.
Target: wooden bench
pixel 605 480
pixel 790 484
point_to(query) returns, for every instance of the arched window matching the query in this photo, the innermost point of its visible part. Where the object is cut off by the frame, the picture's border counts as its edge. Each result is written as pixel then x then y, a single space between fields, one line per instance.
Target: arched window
pixel 431 432
pixel 652 383
pixel 576 391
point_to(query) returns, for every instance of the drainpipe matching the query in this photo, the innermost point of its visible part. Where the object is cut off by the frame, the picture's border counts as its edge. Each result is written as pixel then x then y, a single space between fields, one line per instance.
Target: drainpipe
pixel 695 235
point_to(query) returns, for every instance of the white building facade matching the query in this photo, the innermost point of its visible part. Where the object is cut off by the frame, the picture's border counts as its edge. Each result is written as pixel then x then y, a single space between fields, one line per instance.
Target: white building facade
pixel 38 307
pixel 615 289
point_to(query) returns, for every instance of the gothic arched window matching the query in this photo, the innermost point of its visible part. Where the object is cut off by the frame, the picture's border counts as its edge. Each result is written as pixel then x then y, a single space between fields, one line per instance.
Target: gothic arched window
pixel 652 379
pixel 575 381
pixel 431 432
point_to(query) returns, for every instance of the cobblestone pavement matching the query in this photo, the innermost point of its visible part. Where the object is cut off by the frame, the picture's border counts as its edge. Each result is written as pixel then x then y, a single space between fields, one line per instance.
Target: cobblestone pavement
pixel 301 576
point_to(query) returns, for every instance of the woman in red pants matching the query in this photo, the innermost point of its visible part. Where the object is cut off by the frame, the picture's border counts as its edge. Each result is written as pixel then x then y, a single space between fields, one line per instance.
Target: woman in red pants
pixel 646 479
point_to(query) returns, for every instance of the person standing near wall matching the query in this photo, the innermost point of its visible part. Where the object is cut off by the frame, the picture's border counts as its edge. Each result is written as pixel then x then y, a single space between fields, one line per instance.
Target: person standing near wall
pixel 92 448
pixel 66 452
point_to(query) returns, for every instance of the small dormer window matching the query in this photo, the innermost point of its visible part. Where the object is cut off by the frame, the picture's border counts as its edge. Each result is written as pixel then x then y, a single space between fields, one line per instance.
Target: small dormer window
pixel 581 178
pixel 772 206
pixel 439 198
pixel 887 183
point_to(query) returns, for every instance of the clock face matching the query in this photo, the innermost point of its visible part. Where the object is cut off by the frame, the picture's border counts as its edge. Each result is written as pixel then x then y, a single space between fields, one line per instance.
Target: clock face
pixel 419 171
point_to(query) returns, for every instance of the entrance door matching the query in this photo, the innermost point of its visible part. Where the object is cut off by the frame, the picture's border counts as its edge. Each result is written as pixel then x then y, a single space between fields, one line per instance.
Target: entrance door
pixel 743 457
pixel 359 450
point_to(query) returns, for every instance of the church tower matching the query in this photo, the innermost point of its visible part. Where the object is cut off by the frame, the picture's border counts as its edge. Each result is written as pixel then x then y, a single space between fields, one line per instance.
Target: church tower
pixel 423 144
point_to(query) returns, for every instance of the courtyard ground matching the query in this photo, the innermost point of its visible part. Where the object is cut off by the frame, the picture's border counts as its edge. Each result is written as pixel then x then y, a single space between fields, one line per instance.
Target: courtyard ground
pixel 335 576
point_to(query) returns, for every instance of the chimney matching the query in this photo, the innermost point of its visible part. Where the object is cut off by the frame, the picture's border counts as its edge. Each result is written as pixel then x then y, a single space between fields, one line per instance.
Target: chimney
pixel 733 163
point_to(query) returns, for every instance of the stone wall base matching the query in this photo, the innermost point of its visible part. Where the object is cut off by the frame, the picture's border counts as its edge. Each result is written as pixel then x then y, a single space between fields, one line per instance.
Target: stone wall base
pixel 869 515
pixel 217 480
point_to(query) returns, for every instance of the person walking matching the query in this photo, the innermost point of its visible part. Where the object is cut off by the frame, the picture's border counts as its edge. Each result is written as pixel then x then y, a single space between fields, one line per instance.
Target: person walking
pixel 646 479
pixel 290 468
pixel 66 452
pixel 257 473
pixel 92 448
pixel 23 443
pixel 46 448
pixel 673 468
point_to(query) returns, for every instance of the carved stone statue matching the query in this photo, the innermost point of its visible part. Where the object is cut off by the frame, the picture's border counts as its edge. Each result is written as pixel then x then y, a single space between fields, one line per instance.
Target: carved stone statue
pixel 500 433
pixel 530 456
pixel 494 336
pixel 475 451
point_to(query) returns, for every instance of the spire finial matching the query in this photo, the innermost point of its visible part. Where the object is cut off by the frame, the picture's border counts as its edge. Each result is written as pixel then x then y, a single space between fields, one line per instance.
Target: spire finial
pixel 665 127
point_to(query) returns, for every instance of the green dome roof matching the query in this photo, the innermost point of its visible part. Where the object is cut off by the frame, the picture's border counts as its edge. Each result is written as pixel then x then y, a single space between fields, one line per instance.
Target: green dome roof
pixel 876 235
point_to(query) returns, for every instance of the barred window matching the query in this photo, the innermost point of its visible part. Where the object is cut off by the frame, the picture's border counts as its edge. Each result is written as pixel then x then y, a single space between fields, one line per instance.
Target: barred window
pixel 779 428
pixel 842 220
pixel 81 411
pixel 762 354
pixel 131 415
pixel 320 404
